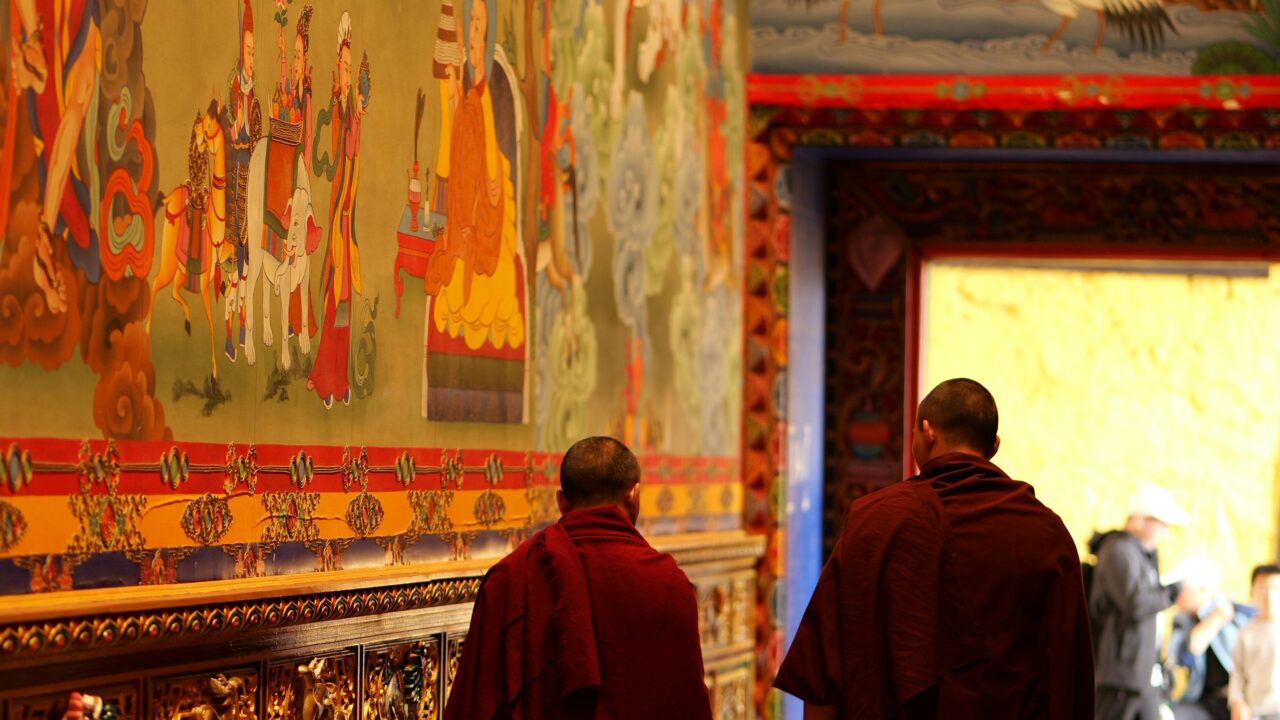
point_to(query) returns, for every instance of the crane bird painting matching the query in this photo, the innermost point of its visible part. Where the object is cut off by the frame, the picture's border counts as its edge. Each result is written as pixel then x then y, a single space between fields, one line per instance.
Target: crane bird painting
pixel 1145 23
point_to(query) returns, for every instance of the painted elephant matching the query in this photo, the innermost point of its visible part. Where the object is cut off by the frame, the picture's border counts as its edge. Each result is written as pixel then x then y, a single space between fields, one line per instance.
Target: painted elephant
pixel 281 242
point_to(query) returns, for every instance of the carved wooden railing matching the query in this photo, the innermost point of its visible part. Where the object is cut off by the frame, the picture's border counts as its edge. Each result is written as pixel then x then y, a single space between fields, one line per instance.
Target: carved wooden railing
pixel 368 644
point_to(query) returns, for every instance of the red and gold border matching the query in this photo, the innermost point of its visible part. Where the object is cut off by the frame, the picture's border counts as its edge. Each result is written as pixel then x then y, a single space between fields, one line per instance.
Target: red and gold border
pixel 1014 92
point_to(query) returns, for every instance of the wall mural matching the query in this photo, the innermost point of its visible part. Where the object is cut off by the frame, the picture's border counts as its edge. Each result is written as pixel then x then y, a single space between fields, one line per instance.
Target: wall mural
pixel 1024 37
pixel 291 286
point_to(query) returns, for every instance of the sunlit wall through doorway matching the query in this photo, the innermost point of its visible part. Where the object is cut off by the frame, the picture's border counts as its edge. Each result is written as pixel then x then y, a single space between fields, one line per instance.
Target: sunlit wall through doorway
pixel 1108 379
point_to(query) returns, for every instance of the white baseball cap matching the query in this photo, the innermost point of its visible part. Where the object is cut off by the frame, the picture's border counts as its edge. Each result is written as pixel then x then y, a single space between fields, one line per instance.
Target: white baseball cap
pixel 1154 501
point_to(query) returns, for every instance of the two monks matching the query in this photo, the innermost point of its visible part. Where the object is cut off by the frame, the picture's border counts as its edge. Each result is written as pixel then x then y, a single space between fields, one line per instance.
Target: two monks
pixel 585 619
pixel 954 594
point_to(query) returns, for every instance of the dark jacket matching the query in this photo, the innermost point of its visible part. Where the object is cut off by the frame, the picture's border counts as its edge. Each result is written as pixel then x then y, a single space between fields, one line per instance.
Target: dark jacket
pixel 1123 603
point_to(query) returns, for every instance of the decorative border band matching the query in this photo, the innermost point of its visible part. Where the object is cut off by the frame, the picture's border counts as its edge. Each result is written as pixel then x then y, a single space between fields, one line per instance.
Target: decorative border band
pixel 1014 92
pixel 64 636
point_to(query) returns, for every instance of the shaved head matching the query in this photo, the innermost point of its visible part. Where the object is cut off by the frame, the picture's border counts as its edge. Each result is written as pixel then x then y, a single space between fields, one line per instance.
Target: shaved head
pixel 598 471
pixel 963 412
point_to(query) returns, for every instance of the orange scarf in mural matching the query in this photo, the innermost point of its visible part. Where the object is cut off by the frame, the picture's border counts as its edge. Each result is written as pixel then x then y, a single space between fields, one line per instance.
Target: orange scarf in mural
pixel 583 620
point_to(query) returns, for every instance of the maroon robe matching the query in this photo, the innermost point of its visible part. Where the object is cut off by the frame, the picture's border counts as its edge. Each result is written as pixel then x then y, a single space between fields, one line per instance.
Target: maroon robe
pixel 583 620
pixel 955 594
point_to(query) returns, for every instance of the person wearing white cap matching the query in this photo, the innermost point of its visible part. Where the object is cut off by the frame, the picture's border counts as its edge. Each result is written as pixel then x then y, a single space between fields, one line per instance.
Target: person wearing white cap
pixel 1124 600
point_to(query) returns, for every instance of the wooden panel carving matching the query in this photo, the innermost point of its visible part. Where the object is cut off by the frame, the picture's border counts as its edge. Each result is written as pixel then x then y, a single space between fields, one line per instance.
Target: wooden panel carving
pixel 120 702
pixel 452 655
pixel 402 682
pixel 731 692
pixel 371 661
pixel 311 689
pixel 725 609
pixel 224 695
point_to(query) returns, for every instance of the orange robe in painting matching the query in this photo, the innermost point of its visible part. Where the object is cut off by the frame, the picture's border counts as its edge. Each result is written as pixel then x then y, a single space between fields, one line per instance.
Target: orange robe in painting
pixel 473 274
pixel 473 230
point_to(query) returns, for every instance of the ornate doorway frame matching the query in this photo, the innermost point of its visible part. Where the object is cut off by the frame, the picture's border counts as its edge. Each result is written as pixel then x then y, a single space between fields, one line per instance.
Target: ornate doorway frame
pixel 1232 119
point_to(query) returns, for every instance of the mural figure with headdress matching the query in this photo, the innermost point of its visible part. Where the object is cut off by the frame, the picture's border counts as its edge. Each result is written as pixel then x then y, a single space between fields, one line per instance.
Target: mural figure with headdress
pixel 476 276
pixel 244 129
pixel 340 278
pixel 291 107
pixel 55 56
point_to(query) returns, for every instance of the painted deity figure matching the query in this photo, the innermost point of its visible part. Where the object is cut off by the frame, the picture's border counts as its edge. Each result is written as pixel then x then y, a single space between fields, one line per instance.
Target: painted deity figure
pixel 293 92
pixel 292 104
pixel 447 70
pixel 245 128
pixel 55 57
pixel 340 278
pixel 472 272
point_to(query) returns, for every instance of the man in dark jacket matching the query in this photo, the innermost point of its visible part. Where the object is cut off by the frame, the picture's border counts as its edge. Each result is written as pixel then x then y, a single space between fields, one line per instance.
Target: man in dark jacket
pixel 1125 598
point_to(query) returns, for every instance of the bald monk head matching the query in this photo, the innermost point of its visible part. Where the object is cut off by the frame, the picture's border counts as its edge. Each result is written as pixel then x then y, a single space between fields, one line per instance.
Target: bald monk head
pixel 956 416
pixel 599 471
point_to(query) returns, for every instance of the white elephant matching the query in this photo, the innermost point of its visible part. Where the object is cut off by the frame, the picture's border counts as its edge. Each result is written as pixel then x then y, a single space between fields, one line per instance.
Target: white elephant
pixel 282 276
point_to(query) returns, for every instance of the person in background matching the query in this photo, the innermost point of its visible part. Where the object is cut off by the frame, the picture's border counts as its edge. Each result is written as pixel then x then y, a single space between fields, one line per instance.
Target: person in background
pixel 1124 600
pixel 1203 637
pixel 1254 690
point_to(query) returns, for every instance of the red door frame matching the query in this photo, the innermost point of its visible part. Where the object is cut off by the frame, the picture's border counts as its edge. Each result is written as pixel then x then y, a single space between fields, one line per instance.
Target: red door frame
pixel 1202 108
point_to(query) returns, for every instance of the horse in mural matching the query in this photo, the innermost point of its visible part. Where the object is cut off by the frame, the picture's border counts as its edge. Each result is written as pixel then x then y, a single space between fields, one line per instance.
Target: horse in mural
pixel 282 236
pixel 194 240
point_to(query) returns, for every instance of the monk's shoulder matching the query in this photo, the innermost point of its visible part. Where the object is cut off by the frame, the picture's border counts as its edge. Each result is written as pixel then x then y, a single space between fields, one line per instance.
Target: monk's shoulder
pixel 899 503
pixel 661 568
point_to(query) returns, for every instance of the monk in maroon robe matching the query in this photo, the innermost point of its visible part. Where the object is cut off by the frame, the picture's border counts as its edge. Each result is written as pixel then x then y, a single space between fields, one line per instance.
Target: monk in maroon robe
pixel 585 619
pixel 955 594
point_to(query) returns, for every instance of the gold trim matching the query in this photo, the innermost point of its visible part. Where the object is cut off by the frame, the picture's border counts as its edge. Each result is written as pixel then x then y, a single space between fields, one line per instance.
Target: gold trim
pixel 107 601
pixel 59 636
pixel 34 625
pixel 699 548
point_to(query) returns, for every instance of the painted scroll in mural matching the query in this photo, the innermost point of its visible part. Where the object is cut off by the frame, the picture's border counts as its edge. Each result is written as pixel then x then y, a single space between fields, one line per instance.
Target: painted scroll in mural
pixel 998 37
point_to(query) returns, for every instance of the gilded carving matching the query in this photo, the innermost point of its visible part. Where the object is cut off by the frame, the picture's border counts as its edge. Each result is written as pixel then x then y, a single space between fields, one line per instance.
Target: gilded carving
pixel 113 630
pixel 725 608
pixel 729 697
pixel 323 688
pixel 402 682
pixel 452 656
pixel 743 600
pixel 113 703
pixel 222 696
